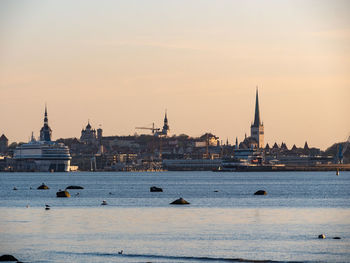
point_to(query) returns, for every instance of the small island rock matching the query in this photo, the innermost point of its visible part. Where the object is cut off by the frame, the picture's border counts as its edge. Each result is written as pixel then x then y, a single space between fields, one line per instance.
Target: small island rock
pixel 260 192
pixel 62 194
pixel 43 187
pixel 8 258
pixel 155 189
pixel 180 201
pixel 74 187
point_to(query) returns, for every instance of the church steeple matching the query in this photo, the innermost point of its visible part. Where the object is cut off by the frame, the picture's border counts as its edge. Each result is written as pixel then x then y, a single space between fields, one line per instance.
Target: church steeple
pixel 165 118
pixel 45 117
pixel 166 125
pixel 257 121
pixel 45 132
pixel 257 128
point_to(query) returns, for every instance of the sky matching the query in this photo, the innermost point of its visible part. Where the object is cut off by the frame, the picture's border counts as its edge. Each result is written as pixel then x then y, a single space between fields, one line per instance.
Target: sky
pixel 121 64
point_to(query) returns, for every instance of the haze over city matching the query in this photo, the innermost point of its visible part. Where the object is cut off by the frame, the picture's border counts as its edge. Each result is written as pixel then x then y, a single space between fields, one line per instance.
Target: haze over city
pixel 122 63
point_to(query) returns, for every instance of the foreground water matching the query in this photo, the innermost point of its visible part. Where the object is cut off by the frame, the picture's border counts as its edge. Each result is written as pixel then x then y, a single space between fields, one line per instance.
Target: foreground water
pixel 224 222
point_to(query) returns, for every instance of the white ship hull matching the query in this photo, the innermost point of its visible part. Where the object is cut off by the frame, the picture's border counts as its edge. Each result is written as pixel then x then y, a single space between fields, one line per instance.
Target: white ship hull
pixel 42 157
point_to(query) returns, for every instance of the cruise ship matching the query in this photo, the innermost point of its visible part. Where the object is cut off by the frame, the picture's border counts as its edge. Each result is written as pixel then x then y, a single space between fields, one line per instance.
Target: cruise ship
pixel 43 155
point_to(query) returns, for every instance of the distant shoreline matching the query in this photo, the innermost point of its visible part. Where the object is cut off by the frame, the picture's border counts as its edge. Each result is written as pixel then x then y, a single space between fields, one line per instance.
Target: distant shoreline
pixel 263 168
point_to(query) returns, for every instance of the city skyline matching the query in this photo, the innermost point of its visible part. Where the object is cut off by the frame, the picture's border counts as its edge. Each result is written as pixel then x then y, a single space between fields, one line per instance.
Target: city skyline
pixel 257 121
pixel 122 64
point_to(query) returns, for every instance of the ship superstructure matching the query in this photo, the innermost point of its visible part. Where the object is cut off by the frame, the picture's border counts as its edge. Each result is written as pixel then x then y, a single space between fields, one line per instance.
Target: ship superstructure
pixel 43 155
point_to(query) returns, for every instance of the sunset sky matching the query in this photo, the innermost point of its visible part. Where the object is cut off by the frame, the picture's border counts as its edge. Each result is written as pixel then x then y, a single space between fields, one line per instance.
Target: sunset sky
pixel 122 63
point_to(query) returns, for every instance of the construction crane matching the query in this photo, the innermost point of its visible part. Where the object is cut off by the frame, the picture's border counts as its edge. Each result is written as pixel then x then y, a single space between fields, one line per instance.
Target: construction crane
pixel 156 132
pixel 153 129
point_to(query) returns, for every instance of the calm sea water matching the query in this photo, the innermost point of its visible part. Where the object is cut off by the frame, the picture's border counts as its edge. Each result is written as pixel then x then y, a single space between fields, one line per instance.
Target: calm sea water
pixel 224 222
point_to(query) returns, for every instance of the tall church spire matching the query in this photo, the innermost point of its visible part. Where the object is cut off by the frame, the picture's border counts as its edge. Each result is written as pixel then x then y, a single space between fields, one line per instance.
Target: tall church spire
pixel 257 121
pixel 45 116
pixel 257 128
pixel 166 128
pixel 45 132
pixel 165 117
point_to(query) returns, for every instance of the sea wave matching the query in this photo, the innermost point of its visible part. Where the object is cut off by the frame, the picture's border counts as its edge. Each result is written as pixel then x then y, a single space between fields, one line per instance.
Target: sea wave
pixel 177 258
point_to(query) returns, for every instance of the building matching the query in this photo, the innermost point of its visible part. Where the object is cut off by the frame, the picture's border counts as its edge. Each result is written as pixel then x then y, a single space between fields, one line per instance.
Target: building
pixel 166 128
pixel 43 155
pixel 191 164
pixel 256 138
pixel 89 135
pixel 257 128
pixel 45 132
pixel 3 144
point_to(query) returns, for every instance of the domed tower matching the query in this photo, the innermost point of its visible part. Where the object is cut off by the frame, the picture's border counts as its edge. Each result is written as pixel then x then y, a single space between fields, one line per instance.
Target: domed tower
pixel 257 128
pixel 88 135
pixel 45 132
pixel 166 128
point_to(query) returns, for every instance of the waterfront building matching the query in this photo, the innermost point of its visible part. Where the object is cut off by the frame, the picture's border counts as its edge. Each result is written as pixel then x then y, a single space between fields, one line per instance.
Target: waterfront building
pixel 43 155
pixel 3 144
pixel 257 128
pixel 191 164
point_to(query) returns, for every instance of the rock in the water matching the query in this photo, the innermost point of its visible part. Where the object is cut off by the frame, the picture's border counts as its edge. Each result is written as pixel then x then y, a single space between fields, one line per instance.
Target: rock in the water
pixel 43 187
pixel 62 194
pixel 322 236
pixel 8 258
pixel 74 187
pixel 336 238
pixel 180 201
pixel 260 192
pixel 155 189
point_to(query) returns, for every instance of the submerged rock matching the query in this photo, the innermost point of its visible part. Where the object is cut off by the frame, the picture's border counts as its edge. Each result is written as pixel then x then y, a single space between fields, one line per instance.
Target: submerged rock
pixel 8 258
pixel 180 201
pixel 62 193
pixel 336 238
pixel 74 187
pixel 260 192
pixel 155 189
pixel 322 236
pixel 43 187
